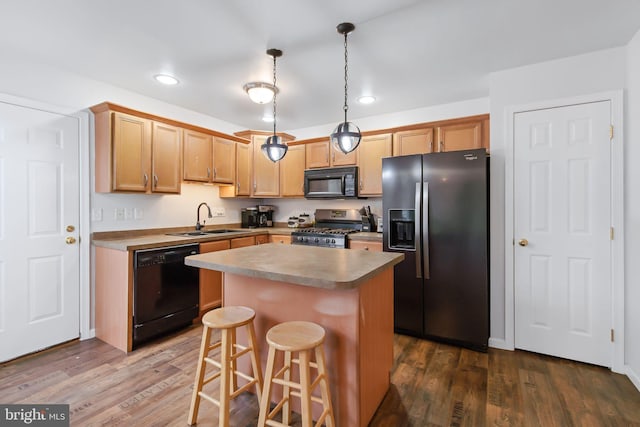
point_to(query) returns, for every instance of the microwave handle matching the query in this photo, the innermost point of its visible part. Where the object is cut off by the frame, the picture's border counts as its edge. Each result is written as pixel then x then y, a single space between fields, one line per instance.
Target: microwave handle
pixel 344 183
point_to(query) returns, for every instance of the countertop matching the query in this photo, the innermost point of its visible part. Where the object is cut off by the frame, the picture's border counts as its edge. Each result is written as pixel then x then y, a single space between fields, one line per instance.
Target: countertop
pixel 131 241
pixel 327 268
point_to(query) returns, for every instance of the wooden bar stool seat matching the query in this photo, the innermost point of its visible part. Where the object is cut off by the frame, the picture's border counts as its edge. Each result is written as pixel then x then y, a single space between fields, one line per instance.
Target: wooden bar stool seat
pixel 302 338
pixel 227 320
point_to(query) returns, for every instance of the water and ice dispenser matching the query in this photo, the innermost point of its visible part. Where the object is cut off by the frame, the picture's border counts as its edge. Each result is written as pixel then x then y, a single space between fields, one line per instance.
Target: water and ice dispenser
pixel 402 232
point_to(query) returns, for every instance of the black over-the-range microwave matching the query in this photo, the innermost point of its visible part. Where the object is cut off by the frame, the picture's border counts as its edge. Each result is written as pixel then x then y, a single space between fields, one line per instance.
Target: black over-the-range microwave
pixel 331 183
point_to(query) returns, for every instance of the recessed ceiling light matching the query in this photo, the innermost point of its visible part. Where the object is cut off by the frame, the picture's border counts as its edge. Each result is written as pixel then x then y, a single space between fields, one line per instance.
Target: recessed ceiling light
pixel 166 79
pixel 367 99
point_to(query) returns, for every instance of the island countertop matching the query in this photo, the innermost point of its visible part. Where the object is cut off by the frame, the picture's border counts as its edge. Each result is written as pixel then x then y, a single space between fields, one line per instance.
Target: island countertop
pixel 326 268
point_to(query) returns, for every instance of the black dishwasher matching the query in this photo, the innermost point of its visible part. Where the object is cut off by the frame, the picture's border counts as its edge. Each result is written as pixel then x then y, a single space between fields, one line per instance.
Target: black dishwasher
pixel 165 291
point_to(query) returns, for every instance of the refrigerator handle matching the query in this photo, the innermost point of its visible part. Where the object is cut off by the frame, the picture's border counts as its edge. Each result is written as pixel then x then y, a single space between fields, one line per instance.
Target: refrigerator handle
pixel 416 231
pixel 425 228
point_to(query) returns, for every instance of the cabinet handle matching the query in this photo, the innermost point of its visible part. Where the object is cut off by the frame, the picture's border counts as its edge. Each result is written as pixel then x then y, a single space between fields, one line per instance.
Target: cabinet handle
pixel 431 146
pixel 255 186
pixel 215 173
pixel 155 181
pixel 361 184
pixel 441 146
pixel 238 184
pixel 333 157
pixel 146 180
pixel 208 172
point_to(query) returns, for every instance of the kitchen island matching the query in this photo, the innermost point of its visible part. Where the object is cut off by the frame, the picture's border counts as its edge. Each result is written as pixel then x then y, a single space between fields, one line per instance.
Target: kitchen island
pixel 348 292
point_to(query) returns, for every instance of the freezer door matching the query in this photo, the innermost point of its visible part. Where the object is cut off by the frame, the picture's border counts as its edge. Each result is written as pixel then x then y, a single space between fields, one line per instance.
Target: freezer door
pixel 401 233
pixel 456 292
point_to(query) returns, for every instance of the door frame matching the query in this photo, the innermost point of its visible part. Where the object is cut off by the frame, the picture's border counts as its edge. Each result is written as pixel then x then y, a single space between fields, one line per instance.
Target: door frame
pixel 616 208
pixel 84 189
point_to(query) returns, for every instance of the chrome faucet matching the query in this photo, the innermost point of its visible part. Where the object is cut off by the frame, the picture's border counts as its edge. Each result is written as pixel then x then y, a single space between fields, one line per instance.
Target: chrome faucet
pixel 198 226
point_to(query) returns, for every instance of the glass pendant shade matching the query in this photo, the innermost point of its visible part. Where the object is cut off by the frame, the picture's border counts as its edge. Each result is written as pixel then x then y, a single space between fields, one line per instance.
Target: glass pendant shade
pixel 274 148
pixel 346 137
pixel 259 92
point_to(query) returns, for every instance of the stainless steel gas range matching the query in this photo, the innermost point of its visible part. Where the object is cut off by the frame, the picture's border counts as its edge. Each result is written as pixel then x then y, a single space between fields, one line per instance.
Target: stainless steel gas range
pixel 332 229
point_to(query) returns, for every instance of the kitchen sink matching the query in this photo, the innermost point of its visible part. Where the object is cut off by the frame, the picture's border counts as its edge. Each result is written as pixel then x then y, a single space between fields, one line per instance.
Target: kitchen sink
pixel 203 233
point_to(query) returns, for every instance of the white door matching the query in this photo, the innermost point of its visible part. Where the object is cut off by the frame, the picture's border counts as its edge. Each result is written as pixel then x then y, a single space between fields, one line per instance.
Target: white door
pixel 39 215
pixel 562 209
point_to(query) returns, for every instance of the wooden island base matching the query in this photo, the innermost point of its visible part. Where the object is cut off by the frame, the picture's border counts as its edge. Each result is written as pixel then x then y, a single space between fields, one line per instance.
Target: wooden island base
pixel 359 334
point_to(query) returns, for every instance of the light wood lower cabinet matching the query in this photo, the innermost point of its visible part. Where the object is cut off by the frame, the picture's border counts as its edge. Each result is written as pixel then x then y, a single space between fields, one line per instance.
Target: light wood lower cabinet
pixel 241 242
pixel 210 280
pixel 280 238
pixel 262 239
pixel 366 245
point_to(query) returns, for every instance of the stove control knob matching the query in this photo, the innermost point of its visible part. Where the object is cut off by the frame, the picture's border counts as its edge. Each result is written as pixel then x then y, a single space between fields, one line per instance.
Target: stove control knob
pixel 333 240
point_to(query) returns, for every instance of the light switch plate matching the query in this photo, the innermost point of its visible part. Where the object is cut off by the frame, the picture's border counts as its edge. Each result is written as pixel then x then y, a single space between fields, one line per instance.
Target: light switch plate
pixel 217 212
pixel 96 214
pixel 119 214
pixel 138 213
pixel 128 214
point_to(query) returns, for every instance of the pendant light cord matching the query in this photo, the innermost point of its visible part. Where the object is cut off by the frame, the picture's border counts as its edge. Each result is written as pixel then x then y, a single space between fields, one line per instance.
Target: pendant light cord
pixel 274 95
pixel 346 70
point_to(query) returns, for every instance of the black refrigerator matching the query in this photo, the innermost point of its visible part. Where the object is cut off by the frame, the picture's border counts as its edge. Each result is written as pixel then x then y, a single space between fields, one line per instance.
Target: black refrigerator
pixel 435 209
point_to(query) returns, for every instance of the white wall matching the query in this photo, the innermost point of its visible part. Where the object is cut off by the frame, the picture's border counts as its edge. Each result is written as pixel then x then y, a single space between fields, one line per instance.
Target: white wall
pixel 579 75
pixel 632 211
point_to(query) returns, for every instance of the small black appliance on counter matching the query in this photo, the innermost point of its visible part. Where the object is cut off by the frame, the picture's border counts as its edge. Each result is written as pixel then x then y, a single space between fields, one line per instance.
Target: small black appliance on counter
pixel 249 217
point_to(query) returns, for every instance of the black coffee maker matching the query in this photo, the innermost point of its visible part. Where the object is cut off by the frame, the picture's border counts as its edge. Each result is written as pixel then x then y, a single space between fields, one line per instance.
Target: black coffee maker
pixel 265 215
pixel 249 217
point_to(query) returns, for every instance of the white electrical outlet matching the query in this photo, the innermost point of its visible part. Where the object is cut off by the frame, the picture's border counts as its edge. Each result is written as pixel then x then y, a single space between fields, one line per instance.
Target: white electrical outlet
pixel 96 214
pixel 119 214
pixel 138 213
pixel 128 214
pixel 218 212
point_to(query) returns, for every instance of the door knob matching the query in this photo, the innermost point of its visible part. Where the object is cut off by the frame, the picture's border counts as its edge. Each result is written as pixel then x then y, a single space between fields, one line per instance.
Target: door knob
pixel 70 228
pixel 523 242
pixel 70 240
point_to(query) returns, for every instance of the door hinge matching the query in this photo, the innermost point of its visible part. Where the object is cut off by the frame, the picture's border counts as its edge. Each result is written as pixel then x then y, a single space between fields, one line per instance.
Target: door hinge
pixel 611 233
pixel 610 131
pixel 612 336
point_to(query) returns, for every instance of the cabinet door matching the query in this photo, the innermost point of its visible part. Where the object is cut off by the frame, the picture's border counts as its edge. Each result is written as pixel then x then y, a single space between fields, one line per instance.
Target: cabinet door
pixel 281 238
pixel 266 174
pixel 317 155
pixel 224 160
pixel 131 153
pixel 241 242
pixel 338 158
pixel 418 141
pixel 197 156
pixel 292 172
pixel 367 246
pixel 210 280
pixel 372 149
pixel 243 169
pixel 462 136
pixel 166 158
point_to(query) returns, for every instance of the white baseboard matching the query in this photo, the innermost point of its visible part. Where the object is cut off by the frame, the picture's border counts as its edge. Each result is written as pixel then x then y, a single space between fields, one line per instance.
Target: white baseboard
pixel 633 376
pixel 499 343
pixel 90 334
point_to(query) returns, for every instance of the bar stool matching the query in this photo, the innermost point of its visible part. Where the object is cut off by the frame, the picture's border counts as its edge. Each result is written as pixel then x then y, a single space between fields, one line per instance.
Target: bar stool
pixel 300 337
pixel 227 320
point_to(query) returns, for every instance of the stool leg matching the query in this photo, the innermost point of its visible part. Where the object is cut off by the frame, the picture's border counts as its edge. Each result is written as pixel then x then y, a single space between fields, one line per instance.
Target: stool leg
pixel 266 390
pixel 233 366
pixel 324 387
pixel 255 364
pixel 286 390
pixel 305 393
pixel 200 371
pixel 225 362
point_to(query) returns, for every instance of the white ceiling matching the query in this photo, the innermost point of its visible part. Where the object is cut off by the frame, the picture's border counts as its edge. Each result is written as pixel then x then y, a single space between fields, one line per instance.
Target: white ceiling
pixel 407 53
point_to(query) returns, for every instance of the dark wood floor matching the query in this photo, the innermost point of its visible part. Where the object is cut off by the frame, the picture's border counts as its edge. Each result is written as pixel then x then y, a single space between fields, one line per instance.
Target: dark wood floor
pixel 432 385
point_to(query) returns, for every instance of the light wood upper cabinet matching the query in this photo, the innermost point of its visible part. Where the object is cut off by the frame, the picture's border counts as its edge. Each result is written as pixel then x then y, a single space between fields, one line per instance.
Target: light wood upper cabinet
pixel 266 174
pixel 292 172
pixel 417 141
pixel 317 154
pixel 460 136
pixel 130 140
pixel 136 154
pixel 372 149
pixel 322 154
pixel 242 186
pixel 197 156
pixel 224 160
pixel 166 161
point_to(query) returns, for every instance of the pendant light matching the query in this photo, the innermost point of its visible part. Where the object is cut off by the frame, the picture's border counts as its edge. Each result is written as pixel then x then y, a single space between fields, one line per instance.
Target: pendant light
pixel 274 148
pixel 346 135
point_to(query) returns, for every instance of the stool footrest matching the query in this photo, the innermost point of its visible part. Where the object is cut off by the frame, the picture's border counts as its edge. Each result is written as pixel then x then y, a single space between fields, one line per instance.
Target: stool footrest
pixel 313 398
pixel 322 417
pixel 278 407
pixel 243 388
pixel 287 383
pixel 209 398
pixel 243 351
